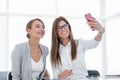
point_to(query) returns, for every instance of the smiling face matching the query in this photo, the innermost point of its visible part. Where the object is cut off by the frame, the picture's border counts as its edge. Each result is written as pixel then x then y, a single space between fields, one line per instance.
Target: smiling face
pixel 37 29
pixel 63 30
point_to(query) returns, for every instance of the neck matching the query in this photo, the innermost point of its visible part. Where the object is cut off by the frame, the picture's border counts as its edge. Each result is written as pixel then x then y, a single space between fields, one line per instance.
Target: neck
pixel 34 43
pixel 65 41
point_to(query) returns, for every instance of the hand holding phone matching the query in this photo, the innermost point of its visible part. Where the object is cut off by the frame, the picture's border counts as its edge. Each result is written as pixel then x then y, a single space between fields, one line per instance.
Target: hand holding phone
pixel 89 18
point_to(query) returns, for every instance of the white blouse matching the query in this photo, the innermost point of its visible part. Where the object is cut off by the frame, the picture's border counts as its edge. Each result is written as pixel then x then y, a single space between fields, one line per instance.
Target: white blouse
pixel 37 67
pixel 77 66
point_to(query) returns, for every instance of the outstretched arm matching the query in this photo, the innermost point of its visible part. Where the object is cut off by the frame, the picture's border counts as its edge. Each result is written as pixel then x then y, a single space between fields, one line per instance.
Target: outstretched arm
pixel 97 26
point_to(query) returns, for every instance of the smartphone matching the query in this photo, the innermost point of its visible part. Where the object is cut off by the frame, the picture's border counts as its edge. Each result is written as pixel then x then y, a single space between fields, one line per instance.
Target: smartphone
pixel 89 17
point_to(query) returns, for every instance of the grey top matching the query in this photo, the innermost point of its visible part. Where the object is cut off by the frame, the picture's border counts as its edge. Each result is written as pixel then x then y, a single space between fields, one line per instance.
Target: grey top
pixel 21 61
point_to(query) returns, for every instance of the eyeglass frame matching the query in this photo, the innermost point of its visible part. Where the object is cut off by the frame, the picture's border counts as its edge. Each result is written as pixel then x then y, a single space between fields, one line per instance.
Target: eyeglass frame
pixel 65 26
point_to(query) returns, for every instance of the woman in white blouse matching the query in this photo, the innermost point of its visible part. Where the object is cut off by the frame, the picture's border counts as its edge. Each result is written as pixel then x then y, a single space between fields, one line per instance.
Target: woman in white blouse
pixel 68 54
pixel 29 58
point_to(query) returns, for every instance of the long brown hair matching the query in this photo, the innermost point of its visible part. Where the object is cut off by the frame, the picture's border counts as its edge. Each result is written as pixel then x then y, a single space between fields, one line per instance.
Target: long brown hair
pixel 55 57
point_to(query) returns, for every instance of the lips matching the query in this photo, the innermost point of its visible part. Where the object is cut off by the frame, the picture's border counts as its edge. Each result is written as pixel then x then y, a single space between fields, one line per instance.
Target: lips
pixel 41 33
pixel 64 33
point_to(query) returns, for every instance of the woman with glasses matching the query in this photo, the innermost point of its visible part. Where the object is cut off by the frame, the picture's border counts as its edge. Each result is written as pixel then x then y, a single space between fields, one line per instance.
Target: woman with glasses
pixel 29 58
pixel 67 53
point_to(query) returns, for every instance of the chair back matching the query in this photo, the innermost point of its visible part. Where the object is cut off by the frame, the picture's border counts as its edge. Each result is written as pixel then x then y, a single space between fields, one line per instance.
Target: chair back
pixel 93 73
pixel 9 76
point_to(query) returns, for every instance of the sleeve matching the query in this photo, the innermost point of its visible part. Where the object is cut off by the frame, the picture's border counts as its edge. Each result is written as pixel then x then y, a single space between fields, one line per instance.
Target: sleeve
pixel 47 50
pixel 16 63
pixel 56 72
pixel 88 44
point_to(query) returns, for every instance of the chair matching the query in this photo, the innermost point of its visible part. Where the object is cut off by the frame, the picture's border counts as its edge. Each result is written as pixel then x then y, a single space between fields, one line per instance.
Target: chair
pixel 93 73
pixel 9 76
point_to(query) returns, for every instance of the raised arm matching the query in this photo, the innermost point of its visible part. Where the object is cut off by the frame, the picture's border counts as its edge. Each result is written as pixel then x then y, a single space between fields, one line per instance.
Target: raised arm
pixel 97 26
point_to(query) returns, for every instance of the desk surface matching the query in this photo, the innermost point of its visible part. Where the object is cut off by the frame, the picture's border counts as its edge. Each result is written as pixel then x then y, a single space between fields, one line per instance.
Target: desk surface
pixel 91 78
pixel 104 78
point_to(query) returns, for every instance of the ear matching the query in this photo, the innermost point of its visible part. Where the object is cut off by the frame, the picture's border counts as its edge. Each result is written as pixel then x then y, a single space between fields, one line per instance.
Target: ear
pixel 28 30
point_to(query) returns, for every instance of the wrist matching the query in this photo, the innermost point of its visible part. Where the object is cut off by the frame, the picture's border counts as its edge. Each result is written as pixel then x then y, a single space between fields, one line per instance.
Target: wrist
pixel 102 30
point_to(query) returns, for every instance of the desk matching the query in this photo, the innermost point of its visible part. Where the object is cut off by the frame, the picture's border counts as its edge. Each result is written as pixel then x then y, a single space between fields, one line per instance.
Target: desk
pixel 89 78
pixel 104 78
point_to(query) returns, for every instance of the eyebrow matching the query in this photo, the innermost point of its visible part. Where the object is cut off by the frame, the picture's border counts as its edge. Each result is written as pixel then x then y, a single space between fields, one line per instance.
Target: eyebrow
pixel 62 25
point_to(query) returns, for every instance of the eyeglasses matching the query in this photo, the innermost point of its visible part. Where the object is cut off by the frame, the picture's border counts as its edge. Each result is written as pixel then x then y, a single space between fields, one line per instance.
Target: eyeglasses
pixel 65 26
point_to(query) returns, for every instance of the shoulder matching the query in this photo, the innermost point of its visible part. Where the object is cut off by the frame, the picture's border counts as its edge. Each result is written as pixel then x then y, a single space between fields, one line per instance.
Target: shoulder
pixel 77 41
pixel 80 42
pixel 19 48
pixel 20 45
pixel 44 49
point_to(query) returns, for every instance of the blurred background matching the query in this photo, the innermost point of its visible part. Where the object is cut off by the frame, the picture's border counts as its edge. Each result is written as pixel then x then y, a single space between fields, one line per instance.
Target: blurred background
pixel 15 14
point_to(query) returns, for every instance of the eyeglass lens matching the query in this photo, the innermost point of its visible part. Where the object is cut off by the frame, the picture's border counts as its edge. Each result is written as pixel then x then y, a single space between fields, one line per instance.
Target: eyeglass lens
pixel 61 27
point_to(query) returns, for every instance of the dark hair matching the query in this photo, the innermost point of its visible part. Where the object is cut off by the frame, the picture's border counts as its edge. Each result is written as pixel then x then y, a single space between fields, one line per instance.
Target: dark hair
pixel 29 24
pixel 55 57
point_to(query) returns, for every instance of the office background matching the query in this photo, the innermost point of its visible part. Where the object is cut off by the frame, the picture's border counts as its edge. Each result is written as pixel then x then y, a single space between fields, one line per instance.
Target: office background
pixel 14 15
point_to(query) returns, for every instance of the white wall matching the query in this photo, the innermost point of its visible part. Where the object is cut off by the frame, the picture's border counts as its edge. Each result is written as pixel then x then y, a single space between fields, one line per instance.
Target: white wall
pixel 14 15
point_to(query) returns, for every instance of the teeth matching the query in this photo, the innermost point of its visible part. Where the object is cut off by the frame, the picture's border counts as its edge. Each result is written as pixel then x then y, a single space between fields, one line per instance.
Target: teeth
pixel 64 32
pixel 40 33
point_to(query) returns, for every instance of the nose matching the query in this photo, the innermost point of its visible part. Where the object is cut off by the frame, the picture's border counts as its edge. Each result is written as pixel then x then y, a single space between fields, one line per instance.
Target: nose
pixel 63 28
pixel 41 28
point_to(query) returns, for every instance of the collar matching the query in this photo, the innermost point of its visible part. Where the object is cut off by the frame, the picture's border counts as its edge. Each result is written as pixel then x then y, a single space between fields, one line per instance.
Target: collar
pixel 68 44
